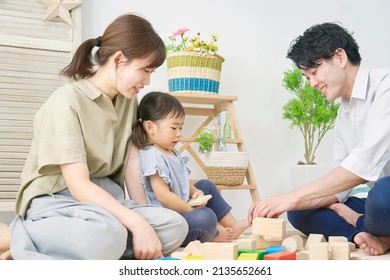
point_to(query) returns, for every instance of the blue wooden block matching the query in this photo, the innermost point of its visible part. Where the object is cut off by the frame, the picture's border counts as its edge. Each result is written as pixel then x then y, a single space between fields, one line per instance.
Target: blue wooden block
pixel 275 249
pixel 168 259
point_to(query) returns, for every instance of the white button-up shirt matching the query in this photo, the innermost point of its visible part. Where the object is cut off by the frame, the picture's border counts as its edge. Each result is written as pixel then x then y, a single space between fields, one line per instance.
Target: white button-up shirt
pixel 362 129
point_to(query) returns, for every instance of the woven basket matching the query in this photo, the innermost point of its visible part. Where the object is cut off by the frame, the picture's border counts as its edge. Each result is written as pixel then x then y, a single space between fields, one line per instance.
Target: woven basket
pixel 226 175
pixel 226 168
pixel 194 72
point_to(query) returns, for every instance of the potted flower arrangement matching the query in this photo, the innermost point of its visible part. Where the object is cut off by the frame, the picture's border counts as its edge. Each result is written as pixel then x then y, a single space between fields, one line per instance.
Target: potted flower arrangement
pixel 223 168
pixel 313 115
pixel 193 64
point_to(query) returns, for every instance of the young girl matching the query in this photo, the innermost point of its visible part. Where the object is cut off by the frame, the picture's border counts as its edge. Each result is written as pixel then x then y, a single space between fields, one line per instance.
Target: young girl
pixel 165 175
pixel 71 203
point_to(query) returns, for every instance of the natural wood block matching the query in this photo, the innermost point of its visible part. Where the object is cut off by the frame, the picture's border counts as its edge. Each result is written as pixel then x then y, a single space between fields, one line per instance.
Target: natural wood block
pixel 334 239
pixel 281 256
pixel 199 200
pixel 293 243
pixel 261 243
pixel 248 256
pixel 340 251
pixel 246 243
pixel 314 239
pixel 352 246
pixel 318 251
pixel 302 255
pixel 272 238
pixel 269 227
pixel 193 248
pixel 219 250
pixel 180 254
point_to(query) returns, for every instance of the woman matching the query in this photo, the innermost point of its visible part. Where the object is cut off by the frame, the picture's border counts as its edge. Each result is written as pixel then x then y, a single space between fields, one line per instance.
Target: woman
pixel 71 203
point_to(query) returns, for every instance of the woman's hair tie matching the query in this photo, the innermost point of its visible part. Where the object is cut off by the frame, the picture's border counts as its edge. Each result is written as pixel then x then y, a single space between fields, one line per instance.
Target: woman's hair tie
pixel 98 41
pixel 140 120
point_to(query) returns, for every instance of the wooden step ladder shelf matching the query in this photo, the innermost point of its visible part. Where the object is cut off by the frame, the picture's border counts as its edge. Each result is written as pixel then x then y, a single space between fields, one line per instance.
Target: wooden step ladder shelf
pixel 194 106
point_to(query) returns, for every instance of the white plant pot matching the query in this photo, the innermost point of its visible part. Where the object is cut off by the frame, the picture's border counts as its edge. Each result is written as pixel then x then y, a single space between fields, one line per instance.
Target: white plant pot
pixel 302 174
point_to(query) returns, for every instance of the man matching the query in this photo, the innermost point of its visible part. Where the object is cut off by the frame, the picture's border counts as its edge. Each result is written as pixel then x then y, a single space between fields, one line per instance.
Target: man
pixel 329 58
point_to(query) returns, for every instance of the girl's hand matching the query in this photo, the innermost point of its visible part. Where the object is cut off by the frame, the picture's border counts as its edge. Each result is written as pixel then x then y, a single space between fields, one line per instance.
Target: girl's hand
pixel 197 193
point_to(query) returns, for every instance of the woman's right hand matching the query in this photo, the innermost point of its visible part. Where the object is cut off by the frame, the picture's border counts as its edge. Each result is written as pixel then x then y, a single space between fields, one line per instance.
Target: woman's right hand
pixel 146 244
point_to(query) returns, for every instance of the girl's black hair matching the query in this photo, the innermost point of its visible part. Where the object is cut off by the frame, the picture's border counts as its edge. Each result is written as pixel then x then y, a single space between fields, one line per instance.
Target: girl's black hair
pixel 154 106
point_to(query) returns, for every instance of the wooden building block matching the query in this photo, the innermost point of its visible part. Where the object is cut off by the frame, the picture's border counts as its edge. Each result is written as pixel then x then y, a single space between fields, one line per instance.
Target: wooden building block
pixel 168 259
pixel 269 227
pixel 302 255
pixel 272 238
pixel 340 251
pixel 246 243
pixel 193 248
pixel 318 251
pixel 260 253
pixel 314 239
pixel 193 258
pixel 281 256
pixel 338 239
pixel 180 254
pixel 219 250
pixel 352 246
pixel 275 249
pixel 248 256
pixel 293 243
pixel 261 243
pixel 199 200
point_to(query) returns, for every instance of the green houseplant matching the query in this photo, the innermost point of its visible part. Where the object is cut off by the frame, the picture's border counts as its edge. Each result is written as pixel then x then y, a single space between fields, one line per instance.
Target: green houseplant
pixel 205 140
pixel 309 111
pixel 222 167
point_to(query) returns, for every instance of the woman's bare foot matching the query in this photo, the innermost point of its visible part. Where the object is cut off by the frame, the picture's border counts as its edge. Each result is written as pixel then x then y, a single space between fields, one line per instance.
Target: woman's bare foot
pixel 225 235
pixel 6 255
pixel 349 215
pixel 373 245
pixel 239 227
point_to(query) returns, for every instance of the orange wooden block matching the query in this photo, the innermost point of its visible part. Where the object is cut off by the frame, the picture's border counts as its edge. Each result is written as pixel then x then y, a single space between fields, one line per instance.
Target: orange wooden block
pixel 281 256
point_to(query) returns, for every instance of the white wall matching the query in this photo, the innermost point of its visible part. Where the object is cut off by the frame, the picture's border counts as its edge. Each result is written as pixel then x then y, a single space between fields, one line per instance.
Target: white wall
pixel 254 37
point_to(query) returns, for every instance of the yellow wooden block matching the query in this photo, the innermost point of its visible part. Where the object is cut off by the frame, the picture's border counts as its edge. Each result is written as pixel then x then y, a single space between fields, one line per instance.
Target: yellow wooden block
pixel 194 258
pixel 248 256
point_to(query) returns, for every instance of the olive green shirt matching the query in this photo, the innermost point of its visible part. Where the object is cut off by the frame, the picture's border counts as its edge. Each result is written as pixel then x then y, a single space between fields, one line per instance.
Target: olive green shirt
pixel 78 123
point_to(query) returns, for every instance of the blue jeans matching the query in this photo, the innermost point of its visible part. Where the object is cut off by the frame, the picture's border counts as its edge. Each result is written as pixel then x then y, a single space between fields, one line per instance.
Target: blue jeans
pixel 202 222
pixel 375 218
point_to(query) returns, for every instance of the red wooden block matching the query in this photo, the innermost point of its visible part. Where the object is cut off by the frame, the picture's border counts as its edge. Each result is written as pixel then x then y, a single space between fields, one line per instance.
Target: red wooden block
pixel 281 256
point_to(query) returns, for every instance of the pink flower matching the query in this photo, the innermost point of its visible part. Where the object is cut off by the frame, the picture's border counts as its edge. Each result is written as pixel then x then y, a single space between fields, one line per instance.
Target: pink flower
pixel 180 31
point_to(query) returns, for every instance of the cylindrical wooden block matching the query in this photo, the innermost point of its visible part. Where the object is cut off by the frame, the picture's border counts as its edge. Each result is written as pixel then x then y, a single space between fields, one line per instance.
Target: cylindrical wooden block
pixel 293 243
